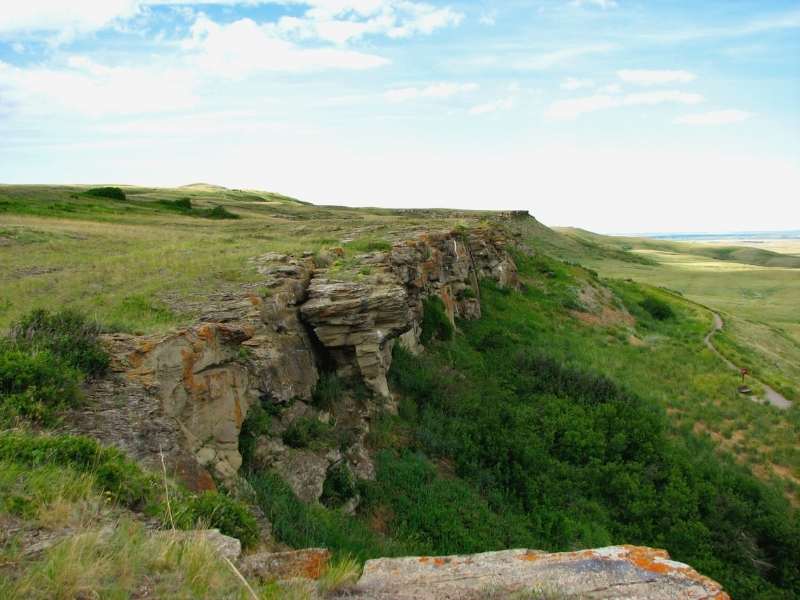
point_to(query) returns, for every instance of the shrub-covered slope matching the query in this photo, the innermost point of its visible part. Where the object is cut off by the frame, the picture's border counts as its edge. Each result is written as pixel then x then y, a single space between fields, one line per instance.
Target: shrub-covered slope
pixel 543 425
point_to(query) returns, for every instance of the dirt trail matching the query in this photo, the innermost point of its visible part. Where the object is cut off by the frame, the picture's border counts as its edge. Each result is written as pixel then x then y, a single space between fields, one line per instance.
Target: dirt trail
pixel 774 398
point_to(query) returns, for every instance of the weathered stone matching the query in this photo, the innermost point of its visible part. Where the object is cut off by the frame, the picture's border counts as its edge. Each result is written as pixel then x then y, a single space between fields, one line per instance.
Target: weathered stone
pixel 269 566
pixel 304 471
pixel 616 572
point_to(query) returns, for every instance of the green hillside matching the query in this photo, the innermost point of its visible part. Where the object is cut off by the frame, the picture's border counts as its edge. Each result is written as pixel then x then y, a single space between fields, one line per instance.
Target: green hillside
pixel 583 409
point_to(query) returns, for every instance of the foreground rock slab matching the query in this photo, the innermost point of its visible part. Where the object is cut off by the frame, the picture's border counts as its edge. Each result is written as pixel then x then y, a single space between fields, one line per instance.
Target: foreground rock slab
pixel 627 572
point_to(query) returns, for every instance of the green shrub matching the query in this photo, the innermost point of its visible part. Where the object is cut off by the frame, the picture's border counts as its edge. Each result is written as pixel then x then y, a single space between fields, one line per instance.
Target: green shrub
pixel 466 294
pixel 567 458
pixel 304 526
pixel 114 193
pixel 67 334
pixel 218 511
pixel 328 391
pixel 308 432
pixel 116 474
pixel 436 514
pixel 219 212
pixel 254 426
pixel 339 486
pixel 369 245
pixel 35 384
pixel 657 308
pixel 435 322
pixel 183 205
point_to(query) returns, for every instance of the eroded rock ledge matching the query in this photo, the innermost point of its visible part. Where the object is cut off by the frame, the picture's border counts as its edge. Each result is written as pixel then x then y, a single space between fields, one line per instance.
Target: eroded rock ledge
pixel 185 394
pixel 628 572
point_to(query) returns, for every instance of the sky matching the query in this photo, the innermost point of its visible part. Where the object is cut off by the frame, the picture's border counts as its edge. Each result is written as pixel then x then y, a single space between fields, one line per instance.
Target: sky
pixel 612 115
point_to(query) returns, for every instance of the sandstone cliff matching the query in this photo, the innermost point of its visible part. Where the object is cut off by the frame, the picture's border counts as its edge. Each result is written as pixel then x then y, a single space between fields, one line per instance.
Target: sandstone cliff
pixel 186 394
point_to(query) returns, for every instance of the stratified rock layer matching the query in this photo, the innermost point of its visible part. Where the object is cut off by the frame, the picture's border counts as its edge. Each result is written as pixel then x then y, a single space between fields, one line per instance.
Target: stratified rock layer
pixel 358 320
pixel 620 572
pixel 183 396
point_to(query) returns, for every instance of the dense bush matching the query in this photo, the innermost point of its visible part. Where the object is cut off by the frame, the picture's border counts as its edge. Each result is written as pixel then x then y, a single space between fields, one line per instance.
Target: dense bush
pixel 217 511
pixel 67 334
pixel 435 322
pixel 219 212
pixel 657 308
pixel 302 526
pixel 434 514
pixel 564 459
pixel 339 486
pixel 114 193
pixel 180 205
pixel 308 432
pixel 34 384
pixel 42 364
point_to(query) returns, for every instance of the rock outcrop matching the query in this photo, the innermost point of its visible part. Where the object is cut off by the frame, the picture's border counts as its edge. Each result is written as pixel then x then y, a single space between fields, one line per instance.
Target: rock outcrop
pixel 620 572
pixel 357 317
pixel 184 395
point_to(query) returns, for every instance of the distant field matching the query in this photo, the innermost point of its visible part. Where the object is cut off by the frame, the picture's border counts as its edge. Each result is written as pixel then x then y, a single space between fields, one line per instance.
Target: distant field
pixel 756 287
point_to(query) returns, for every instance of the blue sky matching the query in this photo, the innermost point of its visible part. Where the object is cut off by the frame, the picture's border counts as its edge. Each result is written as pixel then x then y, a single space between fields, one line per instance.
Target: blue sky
pixel 614 115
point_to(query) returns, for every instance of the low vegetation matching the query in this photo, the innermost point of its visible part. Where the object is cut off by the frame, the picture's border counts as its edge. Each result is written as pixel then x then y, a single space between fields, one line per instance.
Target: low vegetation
pixel 114 193
pixel 575 450
pixel 42 363
pixel 608 423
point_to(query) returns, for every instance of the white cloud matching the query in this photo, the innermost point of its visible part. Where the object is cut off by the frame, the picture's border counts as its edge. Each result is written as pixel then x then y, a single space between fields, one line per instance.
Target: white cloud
pixel 655 77
pixel 575 107
pixel 89 88
pixel 549 60
pixel 776 22
pixel 715 117
pixel 335 21
pixel 572 84
pixel 494 106
pixel 243 48
pixel 340 21
pixel 662 97
pixel 604 4
pixel 436 90
pixel 55 15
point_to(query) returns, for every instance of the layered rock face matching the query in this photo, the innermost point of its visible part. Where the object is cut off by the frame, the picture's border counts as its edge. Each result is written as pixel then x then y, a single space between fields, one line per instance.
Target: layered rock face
pixel 185 395
pixel 266 344
pixel 358 321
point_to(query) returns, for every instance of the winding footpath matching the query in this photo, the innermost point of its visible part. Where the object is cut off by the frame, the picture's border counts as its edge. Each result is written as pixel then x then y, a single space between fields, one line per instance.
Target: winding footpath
pixel 774 398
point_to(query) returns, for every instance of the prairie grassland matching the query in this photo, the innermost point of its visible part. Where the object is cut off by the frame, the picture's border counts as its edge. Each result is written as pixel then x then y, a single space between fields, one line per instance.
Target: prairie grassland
pixel 761 304
pixel 142 265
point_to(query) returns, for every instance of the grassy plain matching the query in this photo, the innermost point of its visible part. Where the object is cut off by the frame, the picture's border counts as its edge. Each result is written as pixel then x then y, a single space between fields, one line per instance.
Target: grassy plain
pixel 142 265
